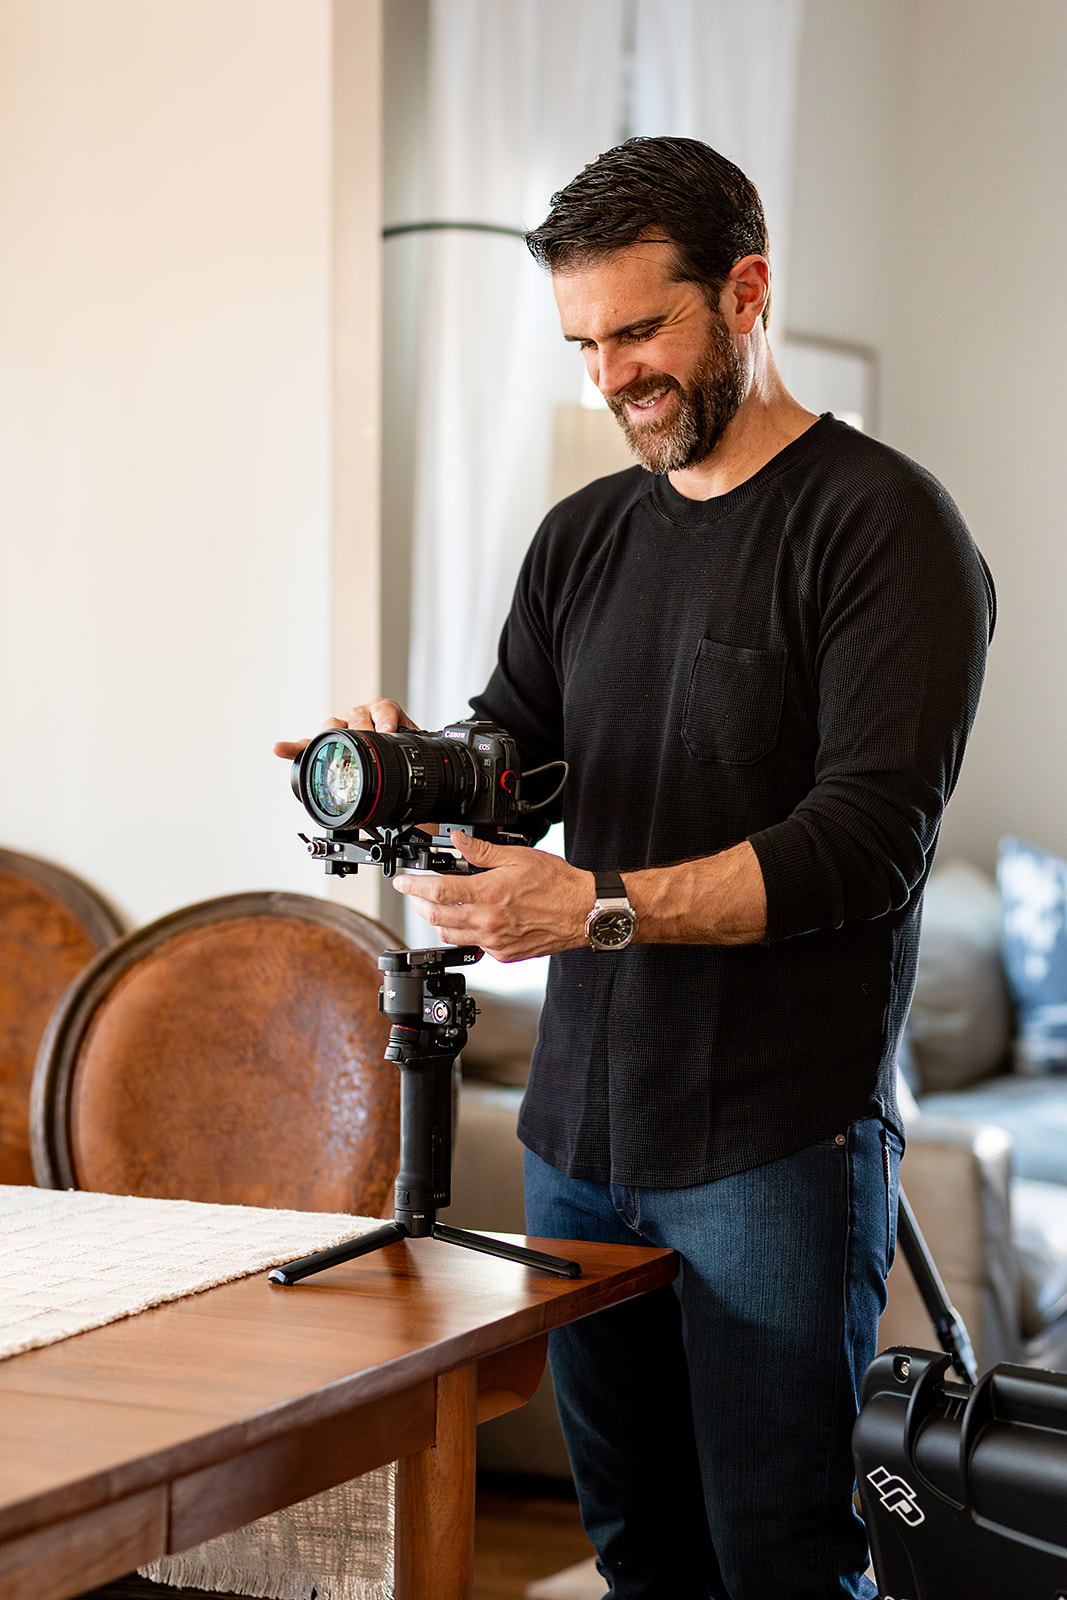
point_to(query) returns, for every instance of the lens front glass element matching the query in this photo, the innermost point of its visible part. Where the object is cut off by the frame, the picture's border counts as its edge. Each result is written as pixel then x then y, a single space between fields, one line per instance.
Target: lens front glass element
pixel 336 777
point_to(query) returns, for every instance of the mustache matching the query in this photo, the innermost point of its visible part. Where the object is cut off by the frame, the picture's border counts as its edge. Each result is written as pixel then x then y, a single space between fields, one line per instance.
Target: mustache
pixel 642 389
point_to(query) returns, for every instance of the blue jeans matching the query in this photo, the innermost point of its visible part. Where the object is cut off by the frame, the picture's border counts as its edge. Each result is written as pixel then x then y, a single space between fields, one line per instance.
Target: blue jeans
pixel 709 1424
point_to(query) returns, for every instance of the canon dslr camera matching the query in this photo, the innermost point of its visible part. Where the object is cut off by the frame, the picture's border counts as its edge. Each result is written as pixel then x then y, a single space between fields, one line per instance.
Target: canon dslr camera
pixel 372 792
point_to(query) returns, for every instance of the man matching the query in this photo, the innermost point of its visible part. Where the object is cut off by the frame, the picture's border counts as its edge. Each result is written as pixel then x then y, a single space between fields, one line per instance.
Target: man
pixel 761 657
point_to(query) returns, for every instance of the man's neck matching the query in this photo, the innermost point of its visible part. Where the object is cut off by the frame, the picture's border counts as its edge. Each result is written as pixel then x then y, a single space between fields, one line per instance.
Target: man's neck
pixel 767 420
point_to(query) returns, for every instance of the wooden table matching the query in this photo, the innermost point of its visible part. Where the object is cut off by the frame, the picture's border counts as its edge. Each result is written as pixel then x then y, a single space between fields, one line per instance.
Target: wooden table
pixel 151 1434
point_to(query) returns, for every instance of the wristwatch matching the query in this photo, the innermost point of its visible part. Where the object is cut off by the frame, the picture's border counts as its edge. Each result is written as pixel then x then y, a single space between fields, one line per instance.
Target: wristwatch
pixel 612 922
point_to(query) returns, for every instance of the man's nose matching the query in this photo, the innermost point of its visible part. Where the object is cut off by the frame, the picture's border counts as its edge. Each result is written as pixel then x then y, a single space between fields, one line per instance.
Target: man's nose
pixel 613 371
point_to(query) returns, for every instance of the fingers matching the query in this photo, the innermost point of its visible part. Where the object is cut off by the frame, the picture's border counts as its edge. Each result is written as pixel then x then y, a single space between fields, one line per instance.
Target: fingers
pixel 435 902
pixel 528 903
pixel 483 852
pixel 291 752
pixel 448 903
pixel 377 716
pixel 445 890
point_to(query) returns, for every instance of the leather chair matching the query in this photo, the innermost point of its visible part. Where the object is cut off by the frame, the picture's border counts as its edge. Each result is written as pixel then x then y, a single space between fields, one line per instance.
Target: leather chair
pixel 51 925
pixel 230 1052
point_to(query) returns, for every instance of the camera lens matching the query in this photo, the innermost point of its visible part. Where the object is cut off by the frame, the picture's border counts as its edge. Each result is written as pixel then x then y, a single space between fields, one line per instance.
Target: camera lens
pixel 347 779
pixel 335 777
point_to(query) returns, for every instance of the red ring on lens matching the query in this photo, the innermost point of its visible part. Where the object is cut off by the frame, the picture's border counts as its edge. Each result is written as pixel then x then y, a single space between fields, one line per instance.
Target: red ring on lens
pixel 378 769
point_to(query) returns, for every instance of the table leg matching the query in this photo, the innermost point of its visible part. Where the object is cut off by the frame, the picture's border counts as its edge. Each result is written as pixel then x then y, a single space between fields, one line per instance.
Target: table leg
pixel 435 1500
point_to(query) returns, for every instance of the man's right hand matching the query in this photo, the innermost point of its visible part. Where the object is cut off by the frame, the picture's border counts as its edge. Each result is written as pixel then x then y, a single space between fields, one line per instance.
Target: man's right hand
pixel 379 716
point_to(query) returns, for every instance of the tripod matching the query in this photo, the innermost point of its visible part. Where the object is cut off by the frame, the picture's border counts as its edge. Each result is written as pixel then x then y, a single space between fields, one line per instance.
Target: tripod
pixel 948 1324
pixel 430 1012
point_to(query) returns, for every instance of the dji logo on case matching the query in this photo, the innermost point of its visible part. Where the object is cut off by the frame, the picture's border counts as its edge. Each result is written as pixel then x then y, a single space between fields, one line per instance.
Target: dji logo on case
pixel 898 1496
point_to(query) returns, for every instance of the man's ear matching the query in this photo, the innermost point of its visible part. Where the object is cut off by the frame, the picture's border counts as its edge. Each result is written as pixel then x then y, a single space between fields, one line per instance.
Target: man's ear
pixel 746 292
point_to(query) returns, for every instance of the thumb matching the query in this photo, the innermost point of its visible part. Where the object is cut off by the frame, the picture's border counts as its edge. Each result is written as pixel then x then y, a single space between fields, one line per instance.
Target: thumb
pixel 479 852
pixel 290 751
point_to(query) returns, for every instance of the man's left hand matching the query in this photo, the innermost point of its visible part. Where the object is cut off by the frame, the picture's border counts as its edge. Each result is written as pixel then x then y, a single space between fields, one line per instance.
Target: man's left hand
pixel 527 902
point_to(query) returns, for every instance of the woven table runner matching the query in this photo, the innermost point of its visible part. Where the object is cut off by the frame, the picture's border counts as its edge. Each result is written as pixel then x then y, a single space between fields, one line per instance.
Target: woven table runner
pixel 71 1261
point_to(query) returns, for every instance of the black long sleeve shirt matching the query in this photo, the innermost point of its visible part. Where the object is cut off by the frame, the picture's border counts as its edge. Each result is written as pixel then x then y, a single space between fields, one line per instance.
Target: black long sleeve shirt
pixel 796 663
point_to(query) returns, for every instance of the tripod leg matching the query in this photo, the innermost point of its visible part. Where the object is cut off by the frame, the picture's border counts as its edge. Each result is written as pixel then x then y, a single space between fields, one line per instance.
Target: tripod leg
pixel 508 1252
pixel 362 1246
pixel 948 1324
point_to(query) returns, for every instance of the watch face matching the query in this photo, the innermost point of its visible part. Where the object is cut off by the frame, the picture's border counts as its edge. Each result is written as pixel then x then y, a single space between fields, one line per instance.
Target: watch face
pixel 610 930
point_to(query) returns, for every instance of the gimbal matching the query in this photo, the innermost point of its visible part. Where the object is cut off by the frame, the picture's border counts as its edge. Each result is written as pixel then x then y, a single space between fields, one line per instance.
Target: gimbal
pixel 430 1012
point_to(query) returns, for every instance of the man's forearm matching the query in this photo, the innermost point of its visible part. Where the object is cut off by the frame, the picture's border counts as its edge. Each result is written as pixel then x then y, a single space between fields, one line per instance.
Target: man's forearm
pixel 713 900
pixel 528 903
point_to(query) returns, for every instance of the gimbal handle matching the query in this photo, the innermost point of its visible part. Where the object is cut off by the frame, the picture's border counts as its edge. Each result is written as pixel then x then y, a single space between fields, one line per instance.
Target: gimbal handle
pixel 430 1013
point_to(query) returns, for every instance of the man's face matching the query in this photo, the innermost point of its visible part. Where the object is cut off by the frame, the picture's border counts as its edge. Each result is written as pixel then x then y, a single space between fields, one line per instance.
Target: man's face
pixel 665 362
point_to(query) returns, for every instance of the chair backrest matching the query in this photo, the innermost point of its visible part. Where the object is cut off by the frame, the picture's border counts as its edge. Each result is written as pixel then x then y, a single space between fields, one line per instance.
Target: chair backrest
pixel 51 926
pixel 232 1052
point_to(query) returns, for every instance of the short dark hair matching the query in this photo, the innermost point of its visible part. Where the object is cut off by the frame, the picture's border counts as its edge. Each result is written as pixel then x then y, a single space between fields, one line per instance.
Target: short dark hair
pixel 701 202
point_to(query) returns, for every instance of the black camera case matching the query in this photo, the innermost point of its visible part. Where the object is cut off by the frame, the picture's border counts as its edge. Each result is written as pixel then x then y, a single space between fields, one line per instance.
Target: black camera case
pixel 964 1490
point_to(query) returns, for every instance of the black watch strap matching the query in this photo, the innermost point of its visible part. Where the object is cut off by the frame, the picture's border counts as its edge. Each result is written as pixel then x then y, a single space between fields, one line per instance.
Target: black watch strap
pixel 609 886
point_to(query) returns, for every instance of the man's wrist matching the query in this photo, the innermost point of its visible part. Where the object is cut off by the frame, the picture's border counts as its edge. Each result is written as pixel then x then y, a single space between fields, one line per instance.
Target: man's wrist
pixel 612 921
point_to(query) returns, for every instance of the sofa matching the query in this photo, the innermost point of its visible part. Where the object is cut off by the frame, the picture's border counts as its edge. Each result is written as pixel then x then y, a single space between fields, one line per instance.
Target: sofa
pixel 985 1169
pixel 984 1094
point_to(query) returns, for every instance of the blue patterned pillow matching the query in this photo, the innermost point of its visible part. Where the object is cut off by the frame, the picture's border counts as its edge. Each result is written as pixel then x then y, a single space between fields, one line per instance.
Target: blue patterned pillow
pixel 1033 896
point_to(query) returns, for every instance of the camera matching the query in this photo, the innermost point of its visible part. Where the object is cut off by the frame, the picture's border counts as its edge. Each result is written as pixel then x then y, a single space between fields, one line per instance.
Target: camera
pixel 374 792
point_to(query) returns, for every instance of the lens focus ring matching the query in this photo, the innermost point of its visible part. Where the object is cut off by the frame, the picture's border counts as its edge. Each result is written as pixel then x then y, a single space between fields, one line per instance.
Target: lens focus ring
pixel 347 779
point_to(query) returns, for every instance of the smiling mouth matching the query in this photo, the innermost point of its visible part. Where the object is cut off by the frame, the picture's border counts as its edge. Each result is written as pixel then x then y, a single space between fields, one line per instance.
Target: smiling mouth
pixel 643 398
pixel 648 401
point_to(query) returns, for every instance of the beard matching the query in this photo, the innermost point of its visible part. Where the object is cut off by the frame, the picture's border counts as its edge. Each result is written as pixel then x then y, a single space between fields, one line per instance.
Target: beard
pixel 698 420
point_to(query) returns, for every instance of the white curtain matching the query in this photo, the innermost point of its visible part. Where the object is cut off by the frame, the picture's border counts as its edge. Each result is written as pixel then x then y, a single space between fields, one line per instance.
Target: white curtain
pixel 725 71
pixel 514 111
pixel 522 94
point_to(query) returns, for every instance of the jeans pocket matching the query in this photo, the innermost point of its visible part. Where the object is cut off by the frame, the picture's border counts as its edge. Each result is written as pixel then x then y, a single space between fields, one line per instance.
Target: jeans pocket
pixel 733 705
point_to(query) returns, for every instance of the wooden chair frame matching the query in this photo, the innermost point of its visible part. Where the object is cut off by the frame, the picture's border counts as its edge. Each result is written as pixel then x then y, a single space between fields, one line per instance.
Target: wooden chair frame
pixel 97 916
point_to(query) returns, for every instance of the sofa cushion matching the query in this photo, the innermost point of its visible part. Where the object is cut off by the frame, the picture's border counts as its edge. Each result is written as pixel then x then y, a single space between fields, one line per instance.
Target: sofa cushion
pixel 1039 1229
pixel 1032 1110
pixel 500 1044
pixel 959 1026
pixel 1033 892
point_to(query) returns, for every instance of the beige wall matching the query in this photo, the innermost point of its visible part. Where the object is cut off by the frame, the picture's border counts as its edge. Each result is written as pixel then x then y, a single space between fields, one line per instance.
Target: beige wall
pixel 189 392
pixel 930 222
pixel 986 321
pixel 169 421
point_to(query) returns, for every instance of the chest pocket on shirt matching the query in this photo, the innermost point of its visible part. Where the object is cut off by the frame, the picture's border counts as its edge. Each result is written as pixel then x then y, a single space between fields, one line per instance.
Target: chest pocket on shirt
pixel 733 706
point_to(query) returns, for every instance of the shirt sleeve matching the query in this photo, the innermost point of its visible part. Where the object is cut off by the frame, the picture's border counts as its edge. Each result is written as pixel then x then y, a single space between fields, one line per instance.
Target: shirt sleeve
pixel 904 609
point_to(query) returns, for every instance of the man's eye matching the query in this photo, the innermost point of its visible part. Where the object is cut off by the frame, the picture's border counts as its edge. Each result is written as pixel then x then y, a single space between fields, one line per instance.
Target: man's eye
pixel 635 335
